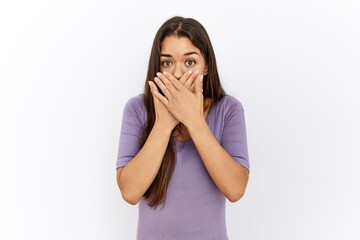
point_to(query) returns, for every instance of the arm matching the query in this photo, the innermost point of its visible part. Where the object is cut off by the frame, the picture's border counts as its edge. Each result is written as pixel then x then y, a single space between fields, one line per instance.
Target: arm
pixel 138 174
pixel 136 177
pixel 229 176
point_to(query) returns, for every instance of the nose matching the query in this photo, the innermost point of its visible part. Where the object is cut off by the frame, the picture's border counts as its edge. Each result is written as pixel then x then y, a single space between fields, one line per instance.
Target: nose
pixel 178 71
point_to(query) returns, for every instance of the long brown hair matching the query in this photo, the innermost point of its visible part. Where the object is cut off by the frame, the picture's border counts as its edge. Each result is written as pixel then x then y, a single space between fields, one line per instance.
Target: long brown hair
pixel 193 30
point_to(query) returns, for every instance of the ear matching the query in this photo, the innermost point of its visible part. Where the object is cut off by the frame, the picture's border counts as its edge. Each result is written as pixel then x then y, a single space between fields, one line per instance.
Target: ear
pixel 206 70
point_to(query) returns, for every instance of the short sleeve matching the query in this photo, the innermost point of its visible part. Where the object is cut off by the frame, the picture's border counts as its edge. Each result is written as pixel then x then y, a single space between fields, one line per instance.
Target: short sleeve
pixel 133 121
pixel 234 139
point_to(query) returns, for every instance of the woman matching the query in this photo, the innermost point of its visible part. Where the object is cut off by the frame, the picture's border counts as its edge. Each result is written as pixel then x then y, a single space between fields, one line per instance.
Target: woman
pixel 183 147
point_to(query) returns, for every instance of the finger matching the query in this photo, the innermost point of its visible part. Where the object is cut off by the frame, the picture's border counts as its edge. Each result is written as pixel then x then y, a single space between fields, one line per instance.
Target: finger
pixel 152 86
pixel 162 87
pixel 170 76
pixel 198 87
pixel 184 77
pixel 175 83
pixel 160 98
pixel 189 82
pixel 167 83
pixel 156 94
pixel 192 87
pixel 153 89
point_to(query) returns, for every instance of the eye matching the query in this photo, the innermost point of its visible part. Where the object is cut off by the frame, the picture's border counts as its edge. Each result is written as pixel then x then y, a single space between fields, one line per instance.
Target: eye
pixel 190 62
pixel 166 63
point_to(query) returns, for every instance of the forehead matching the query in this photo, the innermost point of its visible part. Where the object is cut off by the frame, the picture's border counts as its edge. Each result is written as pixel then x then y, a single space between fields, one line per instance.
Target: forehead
pixel 177 45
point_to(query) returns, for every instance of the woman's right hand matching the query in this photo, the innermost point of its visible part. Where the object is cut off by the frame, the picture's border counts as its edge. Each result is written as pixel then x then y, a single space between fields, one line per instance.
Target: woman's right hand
pixel 164 119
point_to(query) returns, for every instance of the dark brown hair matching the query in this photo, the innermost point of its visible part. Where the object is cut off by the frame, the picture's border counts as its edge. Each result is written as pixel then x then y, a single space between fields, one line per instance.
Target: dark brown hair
pixel 193 30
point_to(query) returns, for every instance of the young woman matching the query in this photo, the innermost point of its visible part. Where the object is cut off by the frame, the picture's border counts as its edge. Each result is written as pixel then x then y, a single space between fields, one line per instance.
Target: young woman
pixel 183 147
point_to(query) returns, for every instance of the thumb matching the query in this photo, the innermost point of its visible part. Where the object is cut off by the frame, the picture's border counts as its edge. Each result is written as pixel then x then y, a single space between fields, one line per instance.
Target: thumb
pixel 199 86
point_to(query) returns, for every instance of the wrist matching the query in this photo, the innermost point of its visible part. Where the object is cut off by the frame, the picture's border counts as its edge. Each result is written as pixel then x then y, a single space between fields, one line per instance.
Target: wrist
pixel 163 129
pixel 196 126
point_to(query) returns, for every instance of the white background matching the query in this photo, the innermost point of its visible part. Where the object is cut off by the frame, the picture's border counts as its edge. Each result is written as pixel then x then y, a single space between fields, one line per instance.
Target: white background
pixel 68 67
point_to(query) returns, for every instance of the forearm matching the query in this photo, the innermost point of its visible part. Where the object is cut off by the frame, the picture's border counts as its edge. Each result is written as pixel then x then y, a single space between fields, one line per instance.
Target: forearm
pixel 139 173
pixel 229 176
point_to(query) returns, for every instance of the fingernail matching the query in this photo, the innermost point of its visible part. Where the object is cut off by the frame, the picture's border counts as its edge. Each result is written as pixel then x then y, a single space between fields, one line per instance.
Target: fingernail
pixel 165 73
pixel 158 74
pixel 189 72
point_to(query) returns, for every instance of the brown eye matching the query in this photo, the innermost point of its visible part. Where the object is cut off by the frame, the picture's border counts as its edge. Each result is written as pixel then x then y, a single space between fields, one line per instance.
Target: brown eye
pixel 190 62
pixel 166 63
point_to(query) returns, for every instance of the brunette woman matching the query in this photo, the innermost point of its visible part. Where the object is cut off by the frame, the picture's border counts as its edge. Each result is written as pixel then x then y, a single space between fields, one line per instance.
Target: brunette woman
pixel 183 148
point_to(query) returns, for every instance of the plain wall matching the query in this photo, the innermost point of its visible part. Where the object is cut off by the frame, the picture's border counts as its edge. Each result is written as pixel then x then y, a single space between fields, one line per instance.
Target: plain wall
pixel 68 67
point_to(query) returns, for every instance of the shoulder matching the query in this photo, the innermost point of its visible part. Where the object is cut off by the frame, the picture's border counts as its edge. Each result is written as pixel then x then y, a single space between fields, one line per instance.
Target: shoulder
pixel 229 103
pixel 135 107
pixel 226 119
pixel 135 103
pixel 227 108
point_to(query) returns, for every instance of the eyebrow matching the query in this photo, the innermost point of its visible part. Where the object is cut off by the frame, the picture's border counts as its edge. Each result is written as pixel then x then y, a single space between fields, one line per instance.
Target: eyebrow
pixel 185 54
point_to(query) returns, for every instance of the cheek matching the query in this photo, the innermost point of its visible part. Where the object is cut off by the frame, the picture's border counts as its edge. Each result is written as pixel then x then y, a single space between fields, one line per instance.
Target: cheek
pixel 201 69
pixel 167 69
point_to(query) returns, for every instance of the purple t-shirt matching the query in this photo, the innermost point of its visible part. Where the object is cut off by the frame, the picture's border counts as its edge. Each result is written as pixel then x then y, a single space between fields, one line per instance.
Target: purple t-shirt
pixel 195 207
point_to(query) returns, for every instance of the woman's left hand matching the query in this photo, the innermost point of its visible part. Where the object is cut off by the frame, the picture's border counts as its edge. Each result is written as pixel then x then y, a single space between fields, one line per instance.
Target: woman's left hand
pixel 185 106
